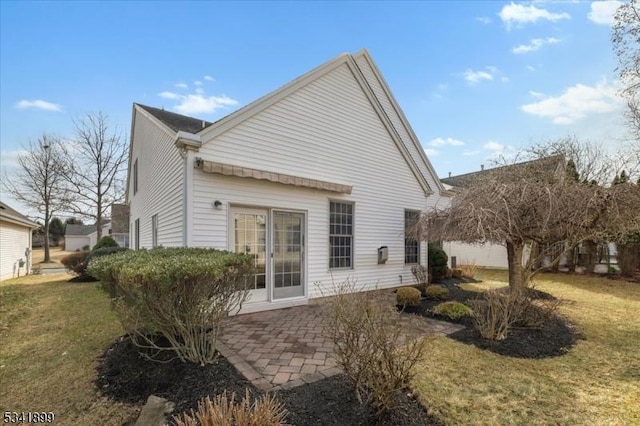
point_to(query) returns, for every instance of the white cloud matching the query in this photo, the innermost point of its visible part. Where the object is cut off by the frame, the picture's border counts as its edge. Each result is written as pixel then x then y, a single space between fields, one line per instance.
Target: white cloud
pixel 38 104
pixel 520 14
pixel 534 45
pixel 9 163
pixel 199 104
pixel 181 86
pixel 169 95
pixel 474 77
pixel 208 78
pixel 602 12
pixel 576 103
pixel 493 146
pixel 489 74
pixel 197 83
pixel 431 152
pixel 536 94
pixel 531 68
pixel 471 153
pixel 484 19
pixel 447 141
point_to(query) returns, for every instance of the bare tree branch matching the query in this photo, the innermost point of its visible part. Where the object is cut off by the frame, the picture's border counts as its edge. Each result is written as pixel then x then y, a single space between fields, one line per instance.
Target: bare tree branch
pixel 96 165
pixel 39 182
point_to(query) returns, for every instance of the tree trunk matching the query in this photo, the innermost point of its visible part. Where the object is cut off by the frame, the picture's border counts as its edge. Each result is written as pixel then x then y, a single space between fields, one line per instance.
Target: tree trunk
pixel 590 248
pixel 571 258
pixel 517 280
pixel 47 255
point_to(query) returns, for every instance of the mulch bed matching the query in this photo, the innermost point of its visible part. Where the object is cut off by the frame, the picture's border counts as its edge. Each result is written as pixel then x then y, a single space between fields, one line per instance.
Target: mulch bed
pixel 125 376
pixel 555 338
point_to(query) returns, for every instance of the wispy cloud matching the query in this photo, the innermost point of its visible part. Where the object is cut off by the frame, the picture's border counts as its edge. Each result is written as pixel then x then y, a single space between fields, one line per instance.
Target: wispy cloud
pixel 198 102
pixel 516 14
pixel 576 103
pixel 498 150
pixel 535 94
pixel 471 153
pixel 431 152
pixel 447 141
pixel 531 68
pixel 489 73
pixel 474 77
pixel 534 45
pixel 484 20
pixel 38 104
pixel 602 12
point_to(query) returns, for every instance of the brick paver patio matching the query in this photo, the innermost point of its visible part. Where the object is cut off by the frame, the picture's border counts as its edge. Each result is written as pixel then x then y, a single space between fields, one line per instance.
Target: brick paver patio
pixel 285 348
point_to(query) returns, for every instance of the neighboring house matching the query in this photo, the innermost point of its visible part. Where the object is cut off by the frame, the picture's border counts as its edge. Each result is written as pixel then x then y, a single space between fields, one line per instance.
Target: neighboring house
pixel 78 236
pixel 488 255
pixel 316 180
pixel 15 242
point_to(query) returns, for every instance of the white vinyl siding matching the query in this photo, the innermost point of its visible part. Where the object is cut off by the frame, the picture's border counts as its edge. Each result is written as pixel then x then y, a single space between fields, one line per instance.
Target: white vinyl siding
pixel 327 130
pixel 160 172
pixel 14 240
pixel 397 122
pixel 483 255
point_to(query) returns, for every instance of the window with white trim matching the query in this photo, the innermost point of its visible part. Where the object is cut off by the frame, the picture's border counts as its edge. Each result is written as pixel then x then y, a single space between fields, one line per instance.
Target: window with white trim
pixel 340 234
pixel 411 245
pixel 154 230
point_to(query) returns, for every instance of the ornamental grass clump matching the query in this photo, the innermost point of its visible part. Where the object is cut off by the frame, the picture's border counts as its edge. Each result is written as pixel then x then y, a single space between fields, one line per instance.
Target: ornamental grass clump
pixel 223 410
pixel 179 294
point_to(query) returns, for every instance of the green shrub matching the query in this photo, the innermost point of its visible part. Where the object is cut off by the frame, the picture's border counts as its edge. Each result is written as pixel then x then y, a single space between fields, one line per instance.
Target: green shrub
pixel 408 296
pixel 182 294
pixel 453 310
pixel 437 292
pixel 76 262
pixel 437 261
pixel 106 241
pixel 224 410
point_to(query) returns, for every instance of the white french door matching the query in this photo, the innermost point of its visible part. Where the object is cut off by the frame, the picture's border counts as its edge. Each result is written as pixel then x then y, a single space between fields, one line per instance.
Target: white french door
pixel 277 244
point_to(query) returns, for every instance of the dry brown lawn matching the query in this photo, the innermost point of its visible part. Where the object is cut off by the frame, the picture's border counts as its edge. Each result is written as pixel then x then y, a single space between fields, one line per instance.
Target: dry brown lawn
pixel 596 383
pixel 52 332
pixel 56 253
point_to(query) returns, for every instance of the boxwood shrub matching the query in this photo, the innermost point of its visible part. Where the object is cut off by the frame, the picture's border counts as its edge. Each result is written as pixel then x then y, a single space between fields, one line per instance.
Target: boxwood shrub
pixel 182 294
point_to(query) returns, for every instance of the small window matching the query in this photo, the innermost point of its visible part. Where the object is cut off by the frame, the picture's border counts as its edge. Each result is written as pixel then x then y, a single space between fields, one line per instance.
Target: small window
pixel 154 230
pixel 136 234
pixel 135 176
pixel 411 246
pixel 340 235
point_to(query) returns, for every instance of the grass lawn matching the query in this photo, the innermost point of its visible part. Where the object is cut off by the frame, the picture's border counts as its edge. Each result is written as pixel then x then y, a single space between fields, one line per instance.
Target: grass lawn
pixel 51 333
pixel 55 253
pixel 597 383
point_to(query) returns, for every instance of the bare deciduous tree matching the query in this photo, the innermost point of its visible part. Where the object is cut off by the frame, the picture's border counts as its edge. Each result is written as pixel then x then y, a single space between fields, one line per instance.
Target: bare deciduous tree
pixel 527 206
pixel 96 163
pixel 626 45
pixel 39 182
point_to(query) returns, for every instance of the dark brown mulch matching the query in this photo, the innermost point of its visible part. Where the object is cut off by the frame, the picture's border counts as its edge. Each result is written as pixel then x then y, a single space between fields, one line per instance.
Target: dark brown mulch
pixel 125 376
pixel 555 338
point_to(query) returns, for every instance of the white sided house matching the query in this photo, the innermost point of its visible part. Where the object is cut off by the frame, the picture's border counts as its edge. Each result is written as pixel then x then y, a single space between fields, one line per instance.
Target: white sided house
pixel 15 242
pixel 316 180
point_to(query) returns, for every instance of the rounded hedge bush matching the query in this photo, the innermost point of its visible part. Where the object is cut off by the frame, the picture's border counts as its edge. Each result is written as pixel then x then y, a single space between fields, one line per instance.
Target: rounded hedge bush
pixel 408 296
pixel 452 310
pixel 105 241
pixel 437 292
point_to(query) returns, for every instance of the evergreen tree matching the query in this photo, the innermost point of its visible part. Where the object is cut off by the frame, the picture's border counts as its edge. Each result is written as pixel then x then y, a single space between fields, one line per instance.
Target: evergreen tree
pixel 56 230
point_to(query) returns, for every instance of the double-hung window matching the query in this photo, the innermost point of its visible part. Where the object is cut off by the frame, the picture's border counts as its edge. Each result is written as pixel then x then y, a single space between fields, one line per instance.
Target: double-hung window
pixel 340 234
pixel 411 245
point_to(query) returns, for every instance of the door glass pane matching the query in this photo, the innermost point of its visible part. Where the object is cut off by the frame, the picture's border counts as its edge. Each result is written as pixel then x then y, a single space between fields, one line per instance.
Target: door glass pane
pixel 288 246
pixel 250 232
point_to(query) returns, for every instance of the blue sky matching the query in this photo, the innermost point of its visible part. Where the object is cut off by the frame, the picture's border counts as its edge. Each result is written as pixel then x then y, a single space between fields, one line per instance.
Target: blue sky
pixel 473 78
